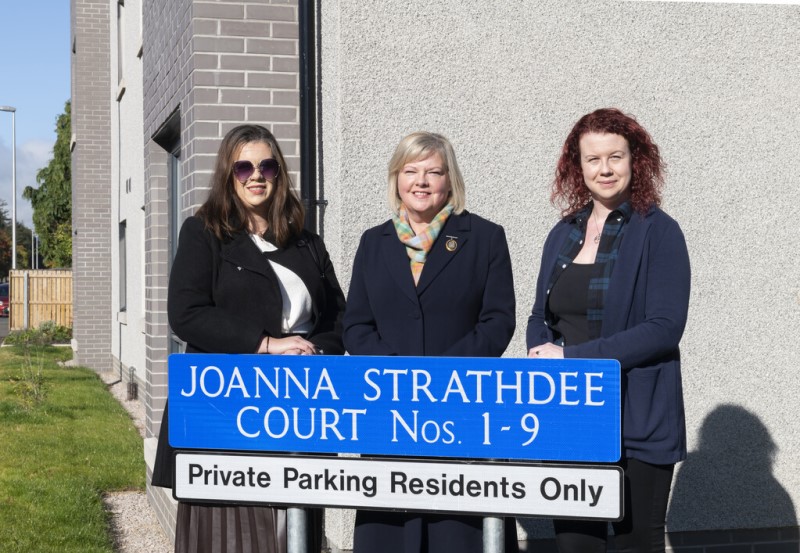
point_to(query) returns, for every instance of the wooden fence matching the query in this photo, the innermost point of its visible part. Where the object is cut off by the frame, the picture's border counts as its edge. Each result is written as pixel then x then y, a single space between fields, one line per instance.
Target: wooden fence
pixel 38 296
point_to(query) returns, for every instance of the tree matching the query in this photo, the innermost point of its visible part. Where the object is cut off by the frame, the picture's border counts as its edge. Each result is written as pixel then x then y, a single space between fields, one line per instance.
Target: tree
pixel 23 243
pixel 52 201
pixel 5 241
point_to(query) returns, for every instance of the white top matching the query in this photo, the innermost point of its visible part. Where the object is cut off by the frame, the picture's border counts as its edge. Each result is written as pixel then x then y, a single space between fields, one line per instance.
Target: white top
pixel 297 307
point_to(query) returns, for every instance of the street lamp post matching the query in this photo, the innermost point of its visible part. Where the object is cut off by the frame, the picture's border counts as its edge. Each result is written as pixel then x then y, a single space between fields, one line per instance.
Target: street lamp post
pixel 13 112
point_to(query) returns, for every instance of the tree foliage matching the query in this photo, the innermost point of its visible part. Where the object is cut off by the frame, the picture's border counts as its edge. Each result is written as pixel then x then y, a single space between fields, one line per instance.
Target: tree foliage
pixel 5 241
pixel 52 201
pixel 23 242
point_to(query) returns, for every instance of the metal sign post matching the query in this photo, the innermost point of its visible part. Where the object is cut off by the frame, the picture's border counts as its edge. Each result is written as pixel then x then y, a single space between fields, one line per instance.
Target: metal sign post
pixel 296 530
pixel 494 529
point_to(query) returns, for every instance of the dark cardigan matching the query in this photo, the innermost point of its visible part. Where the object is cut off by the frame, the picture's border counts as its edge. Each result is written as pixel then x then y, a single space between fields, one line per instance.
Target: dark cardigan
pixel 645 312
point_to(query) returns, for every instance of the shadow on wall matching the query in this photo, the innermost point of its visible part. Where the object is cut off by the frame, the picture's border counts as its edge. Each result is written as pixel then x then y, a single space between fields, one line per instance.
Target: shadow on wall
pixel 727 483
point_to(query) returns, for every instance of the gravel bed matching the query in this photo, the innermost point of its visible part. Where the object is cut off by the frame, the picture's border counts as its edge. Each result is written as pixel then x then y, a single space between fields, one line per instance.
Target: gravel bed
pixel 133 523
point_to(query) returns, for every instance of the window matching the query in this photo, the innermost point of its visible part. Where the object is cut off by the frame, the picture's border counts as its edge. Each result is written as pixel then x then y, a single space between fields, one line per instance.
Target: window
pixel 123 271
pixel 174 178
pixel 168 137
pixel 120 39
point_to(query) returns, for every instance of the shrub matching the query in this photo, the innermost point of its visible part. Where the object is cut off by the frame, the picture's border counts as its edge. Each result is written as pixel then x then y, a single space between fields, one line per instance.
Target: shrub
pixel 47 333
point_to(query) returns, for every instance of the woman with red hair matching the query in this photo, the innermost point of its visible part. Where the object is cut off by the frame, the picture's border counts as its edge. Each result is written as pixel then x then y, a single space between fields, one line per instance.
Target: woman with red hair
pixel 614 284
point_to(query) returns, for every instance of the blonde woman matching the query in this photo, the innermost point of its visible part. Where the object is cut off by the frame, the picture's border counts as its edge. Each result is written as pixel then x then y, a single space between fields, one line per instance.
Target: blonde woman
pixel 433 280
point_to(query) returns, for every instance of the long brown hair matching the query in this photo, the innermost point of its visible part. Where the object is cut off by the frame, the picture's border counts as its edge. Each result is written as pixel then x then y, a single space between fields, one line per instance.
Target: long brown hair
pixel 223 212
pixel 569 190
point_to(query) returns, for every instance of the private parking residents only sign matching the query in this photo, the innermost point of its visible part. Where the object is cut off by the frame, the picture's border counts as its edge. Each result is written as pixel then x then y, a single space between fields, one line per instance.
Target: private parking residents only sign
pixel 468 408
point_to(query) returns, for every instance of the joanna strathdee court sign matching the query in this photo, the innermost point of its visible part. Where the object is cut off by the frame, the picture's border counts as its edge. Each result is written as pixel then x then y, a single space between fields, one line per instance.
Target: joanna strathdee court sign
pixel 470 408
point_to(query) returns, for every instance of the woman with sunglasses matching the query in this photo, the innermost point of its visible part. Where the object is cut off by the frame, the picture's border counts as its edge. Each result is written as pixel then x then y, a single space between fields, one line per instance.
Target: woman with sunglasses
pixel 248 279
pixel 434 280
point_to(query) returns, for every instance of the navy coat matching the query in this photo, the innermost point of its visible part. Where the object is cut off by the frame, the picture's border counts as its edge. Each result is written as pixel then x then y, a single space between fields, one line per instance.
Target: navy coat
pixel 646 307
pixel 224 297
pixel 463 305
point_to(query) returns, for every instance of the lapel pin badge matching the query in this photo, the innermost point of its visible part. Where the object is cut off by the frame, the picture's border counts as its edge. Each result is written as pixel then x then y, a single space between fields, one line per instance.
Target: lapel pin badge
pixel 451 244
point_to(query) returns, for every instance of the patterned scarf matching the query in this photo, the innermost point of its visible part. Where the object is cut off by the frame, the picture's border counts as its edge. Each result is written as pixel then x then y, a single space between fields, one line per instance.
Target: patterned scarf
pixel 418 245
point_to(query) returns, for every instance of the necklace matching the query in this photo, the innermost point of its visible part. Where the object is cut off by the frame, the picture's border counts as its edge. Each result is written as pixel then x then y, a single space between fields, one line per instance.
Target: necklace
pixel 597 227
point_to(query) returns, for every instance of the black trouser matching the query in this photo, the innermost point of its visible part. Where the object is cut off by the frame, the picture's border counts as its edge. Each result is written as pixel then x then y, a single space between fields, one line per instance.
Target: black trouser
pixel 642 528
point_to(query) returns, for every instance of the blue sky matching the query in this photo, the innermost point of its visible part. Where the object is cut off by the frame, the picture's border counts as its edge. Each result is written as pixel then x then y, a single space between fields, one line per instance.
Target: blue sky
pixel 35 79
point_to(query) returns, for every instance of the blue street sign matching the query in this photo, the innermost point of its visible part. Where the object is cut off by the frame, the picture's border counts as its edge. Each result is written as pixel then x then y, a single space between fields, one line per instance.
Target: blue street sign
pixel 475 408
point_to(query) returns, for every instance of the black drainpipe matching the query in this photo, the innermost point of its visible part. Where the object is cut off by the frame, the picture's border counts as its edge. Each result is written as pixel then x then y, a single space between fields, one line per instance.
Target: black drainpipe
pixel 308 111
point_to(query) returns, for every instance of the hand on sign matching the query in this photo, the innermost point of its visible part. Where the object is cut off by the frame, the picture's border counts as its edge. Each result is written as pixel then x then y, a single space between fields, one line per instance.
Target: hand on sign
pixel 291 345
pixel 547 351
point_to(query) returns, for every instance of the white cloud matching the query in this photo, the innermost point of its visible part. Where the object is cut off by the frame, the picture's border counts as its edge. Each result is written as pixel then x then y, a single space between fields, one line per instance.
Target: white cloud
pixel 31 156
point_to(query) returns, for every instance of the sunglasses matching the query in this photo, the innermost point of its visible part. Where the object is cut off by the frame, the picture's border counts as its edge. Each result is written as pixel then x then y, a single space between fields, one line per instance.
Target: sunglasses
pixel 243 170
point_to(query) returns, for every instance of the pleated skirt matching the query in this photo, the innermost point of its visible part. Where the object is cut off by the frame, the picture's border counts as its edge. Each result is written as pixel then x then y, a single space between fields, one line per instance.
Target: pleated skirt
pixel 237 529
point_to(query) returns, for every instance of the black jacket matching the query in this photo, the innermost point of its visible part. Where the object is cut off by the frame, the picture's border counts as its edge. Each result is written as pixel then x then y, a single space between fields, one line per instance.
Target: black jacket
pixel 224 297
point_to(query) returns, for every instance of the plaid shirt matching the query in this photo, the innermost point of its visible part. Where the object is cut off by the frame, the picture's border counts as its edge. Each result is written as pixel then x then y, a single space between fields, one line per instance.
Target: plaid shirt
pixel 607 251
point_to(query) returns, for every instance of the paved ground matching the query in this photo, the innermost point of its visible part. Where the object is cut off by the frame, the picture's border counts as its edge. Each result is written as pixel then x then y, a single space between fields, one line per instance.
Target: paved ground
pixel 3 328
pixel 133 522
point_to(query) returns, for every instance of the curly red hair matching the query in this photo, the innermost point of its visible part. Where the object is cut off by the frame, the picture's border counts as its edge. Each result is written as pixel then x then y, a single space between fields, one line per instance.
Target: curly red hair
pixel 569 190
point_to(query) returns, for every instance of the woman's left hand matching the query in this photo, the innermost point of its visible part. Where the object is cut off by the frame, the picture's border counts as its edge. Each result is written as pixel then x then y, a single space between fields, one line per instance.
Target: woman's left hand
pixel 547 351
pixel 296 351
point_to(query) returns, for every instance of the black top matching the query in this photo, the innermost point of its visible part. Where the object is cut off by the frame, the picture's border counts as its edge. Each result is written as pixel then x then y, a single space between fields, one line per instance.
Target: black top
pixel 569 301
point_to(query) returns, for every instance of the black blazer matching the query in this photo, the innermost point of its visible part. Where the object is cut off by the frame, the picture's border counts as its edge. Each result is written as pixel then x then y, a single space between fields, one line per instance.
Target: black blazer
pixel 224 297
pixel 463 305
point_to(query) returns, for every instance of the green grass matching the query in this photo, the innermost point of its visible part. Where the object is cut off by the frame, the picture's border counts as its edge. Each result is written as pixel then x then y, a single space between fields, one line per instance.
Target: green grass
pixel 58 457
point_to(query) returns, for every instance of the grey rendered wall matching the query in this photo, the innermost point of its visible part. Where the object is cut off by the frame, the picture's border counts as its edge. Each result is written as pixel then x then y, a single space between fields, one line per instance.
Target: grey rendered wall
pixel 717 86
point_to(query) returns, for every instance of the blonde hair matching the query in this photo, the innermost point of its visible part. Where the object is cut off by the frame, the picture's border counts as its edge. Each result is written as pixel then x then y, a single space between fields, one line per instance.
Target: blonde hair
pixel 422 145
